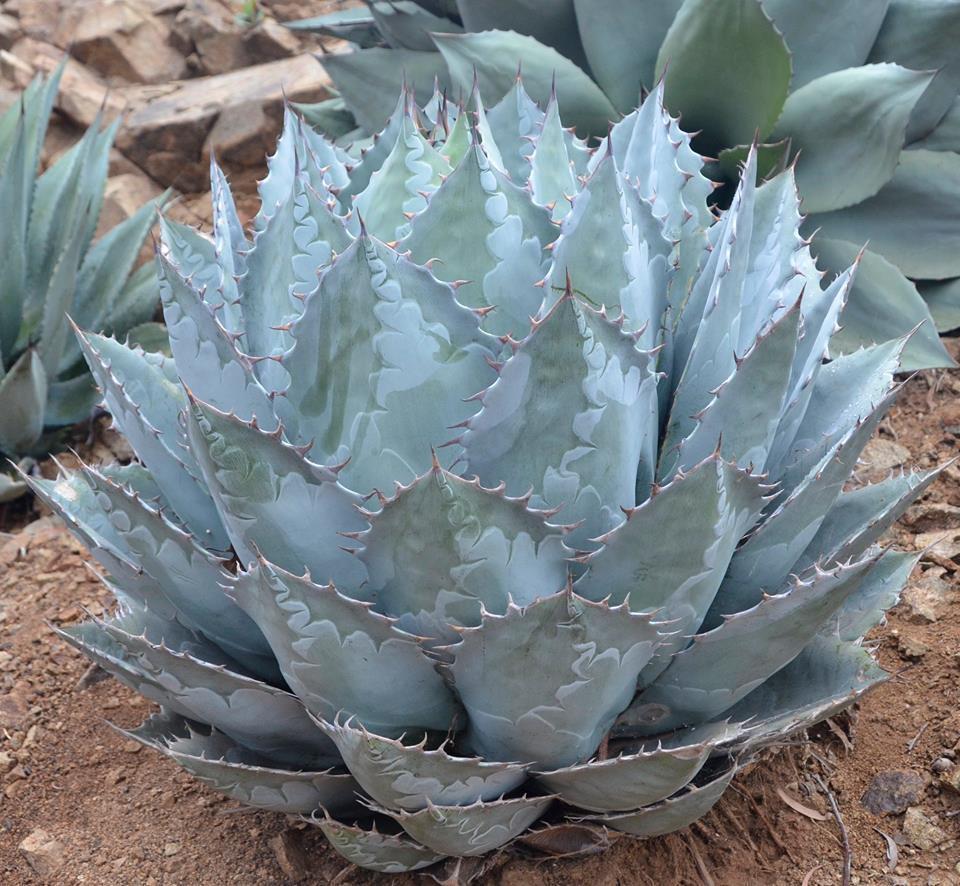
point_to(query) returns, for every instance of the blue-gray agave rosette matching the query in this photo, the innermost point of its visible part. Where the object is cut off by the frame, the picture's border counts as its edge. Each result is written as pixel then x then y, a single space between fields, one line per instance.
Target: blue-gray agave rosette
pixel 493 480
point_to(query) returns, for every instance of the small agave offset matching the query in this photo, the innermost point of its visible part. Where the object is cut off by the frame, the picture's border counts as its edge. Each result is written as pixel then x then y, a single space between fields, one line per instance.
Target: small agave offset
pixel 400 560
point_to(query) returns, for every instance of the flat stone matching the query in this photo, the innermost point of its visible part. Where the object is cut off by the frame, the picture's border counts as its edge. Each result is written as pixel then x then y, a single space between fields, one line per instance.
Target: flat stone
pixel 891 792
pixel 912 648
pixel 290 855
pixel 921 830
pixel 43 853
pixel 881 455
pixel 122 40
pixel 944 543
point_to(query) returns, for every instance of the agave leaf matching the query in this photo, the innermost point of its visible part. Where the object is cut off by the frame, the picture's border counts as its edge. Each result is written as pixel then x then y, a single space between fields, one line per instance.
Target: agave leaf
pixel 849 128
pixel 622 39
pixel 189 577
pixel 206 355
pixel 406 25
pixel 384 345
pixel 515 122
pixel 267 492
pixel 445 550
pixel 882 305
pixel 671 814
pixel 861 516
pixel 230 247
pixel 411 777
pixel 844 393
pixel 375 851
pixel 355 24
pixel 913 221
pixel 551 169
pixel 827 676
pixel 242 774
pixel 23 393
pixel 706 340
pixel 946 136
pixel 147 405
pixel 713 674
pixel 620 275
pixel 638 775
pixel 943 302
pixel 485 230
pixel 336 654
pixel 14 192
pixel 262 718
pixel 580 662
pixel 742 419
pixel 470 830
pixel 56 305
pixel 574 412
pixel 772 159
pixel 746 92
pixel 10 489
pixel 329 116
pixel 825 36
pixel 767 557
pixel 411 171
pixel 918 35
pixel 367 80
pixel 376 151
pixel 494 57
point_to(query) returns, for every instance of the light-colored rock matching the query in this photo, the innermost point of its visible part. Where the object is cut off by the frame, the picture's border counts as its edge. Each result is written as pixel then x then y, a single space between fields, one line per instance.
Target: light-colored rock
pixel 944 543
pixel 38 18
pixel 882 455
pixel 921 830
pixel 170 135
pixel 929 597
pixel 122 40
pixel 123 196
pixel 43 853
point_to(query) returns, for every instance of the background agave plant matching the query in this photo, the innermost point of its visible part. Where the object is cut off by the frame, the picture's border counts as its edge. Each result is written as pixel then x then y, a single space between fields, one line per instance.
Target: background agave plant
pixel 50 267
pixel 403 561
pixel 864 91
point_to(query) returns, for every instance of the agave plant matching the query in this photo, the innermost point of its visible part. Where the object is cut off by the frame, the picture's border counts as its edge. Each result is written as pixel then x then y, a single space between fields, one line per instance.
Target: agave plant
pixel 50 267
pixel 864 91
pixel 466 508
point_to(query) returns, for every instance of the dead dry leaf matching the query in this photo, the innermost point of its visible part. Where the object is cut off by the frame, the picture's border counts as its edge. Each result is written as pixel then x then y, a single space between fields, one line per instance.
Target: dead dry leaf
pixel 797 806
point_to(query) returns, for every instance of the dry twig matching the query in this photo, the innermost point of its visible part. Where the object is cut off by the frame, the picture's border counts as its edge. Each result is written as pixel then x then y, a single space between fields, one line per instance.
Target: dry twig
pixel 844 836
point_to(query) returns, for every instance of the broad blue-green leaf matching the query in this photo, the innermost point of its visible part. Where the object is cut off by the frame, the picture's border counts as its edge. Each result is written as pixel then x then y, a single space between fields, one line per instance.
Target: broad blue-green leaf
pixel 638 775
pixel 273 501
pixel 580 662
pixel 445 550
pixel 848 128
pixel 243 775
pixel 734 47
pixel 23 393
pixel 495 56
pixel 943 302
pixel 914 220
pixel 552 24
pixel 383 358
pixel 920 34
pixel 471 830
pixel 882 305
pixel 574 413
pixel 406 25
pixel 14 193
pixel 673 813
pixel 384 853
pixel 411 776
pixel 713 673
pixel 622 39
pixel 826 35
pixel 946 136
pixel 368 79
pixel 336 654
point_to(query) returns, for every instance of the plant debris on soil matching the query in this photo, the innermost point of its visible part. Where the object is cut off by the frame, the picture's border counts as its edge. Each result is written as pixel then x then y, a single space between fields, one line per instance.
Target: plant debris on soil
pixel 79 803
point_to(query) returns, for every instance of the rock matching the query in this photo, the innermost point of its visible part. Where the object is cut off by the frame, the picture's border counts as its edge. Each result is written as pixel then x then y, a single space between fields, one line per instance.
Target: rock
pixel 122 40
pixel 881 455
pixel 170 134
pixel 171 849
pixel 942 764
pixel 10 30
pixel 922 831
pixel 912 648
pixel 123 196
pixel 269 40
pixel 6 762
pixel 929 597
pixel 38 18
pixel 43 853
pixel 891 792
pixel 291 856
pixel 14 710
pixel 941 542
